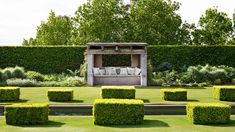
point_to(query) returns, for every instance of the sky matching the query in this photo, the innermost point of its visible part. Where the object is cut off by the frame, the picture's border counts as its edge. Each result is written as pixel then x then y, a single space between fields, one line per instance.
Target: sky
pixel 19 18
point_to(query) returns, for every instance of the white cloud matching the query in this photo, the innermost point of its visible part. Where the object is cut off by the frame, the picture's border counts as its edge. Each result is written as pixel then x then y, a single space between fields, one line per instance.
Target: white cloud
pixel 20 18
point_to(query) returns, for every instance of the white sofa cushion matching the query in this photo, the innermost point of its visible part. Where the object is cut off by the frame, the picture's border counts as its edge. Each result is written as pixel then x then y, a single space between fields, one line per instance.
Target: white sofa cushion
pixel 102 71
pixel 96 71
pixel 123 71
pixel 110 71
pixel 130 71
pixel 137 71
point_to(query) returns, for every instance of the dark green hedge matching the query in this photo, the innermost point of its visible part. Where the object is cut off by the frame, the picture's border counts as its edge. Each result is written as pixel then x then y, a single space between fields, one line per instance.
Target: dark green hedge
pixel 60 94
pixel 179 56
pixel 224 93
pixel 42 59
pixel 208 113
pixel 9 93
pixel 26 114
pixel 118 92
pixel 118 112
pixel 174 94
pixel 58 59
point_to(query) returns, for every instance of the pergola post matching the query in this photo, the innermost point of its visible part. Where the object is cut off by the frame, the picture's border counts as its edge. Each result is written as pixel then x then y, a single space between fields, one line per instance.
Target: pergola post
pixel 143 66
pixel 90 62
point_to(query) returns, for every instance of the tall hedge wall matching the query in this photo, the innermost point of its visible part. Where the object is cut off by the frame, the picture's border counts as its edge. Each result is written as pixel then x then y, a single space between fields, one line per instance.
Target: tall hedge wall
pixel 42 59
pixel 58 59
pixel 179 56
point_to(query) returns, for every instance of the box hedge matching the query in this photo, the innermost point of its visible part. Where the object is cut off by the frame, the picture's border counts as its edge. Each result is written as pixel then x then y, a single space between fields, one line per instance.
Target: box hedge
pixel 174 94
pixel 208 113
pixel 60 94
pixel 118 111
pixel 9 93
pixel 118 92
pixel 224 93
pixel 26 114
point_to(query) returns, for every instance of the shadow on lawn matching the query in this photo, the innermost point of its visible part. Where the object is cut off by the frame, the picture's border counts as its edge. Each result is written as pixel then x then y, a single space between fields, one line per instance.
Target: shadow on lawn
pixel 230 124
pixel 158 87
pixel 73 101
pixel 19 101
pixel 145 100
pixel 146 124
pixel 192 100
pixel 48 124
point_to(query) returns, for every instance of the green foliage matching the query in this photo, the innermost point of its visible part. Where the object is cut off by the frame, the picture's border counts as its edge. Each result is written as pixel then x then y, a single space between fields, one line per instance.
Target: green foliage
pixel 42 59
pixel 156 22
pixel 56 31
pixel 149 73
pixel 214 28
pixel 118 112
pixel 208 113
pixel 34 75
pixel 18 72
pixel 9 93
pixel 60 94
pixel 180 56
pixel 118 92
pixel 21 82
pixel 116 60
pixel 28 114
pixel 174 94
pixel 224 93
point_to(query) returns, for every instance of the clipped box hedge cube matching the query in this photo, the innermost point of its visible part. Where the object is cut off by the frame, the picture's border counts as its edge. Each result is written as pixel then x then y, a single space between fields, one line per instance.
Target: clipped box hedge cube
pixel 60 95
pixel 224 93
pixel 26 114
pixel 9 93
pixel 208 113
pixel 118 111
pixel 118 92
pixel 174 94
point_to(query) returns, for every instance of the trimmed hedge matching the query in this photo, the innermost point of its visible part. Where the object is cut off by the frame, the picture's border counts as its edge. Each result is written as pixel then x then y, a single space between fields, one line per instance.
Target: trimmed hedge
pixel 42 59
pixel 224 93
pixel 208 113
pixel 26 114
pixel 60 94
pixel 174 94
pixel 9 93
pixel 118 92
pixel 118 112
pixel 179 56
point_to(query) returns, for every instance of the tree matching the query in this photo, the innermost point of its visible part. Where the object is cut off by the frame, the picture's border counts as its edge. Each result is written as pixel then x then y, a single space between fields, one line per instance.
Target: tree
pixel 99 21
pixel 156 22
pixel 214 28
pixel 56 31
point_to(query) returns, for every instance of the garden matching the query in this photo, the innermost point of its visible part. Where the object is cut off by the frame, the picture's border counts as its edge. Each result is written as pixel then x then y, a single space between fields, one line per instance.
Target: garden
pixel 114 66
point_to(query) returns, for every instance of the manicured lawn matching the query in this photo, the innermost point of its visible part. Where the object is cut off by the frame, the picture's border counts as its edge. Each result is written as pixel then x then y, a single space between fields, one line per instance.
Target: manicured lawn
pixel 86 95
pixel 151 124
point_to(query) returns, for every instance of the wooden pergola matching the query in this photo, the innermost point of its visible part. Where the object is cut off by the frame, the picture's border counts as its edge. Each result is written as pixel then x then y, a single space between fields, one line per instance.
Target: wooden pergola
pixel 138 52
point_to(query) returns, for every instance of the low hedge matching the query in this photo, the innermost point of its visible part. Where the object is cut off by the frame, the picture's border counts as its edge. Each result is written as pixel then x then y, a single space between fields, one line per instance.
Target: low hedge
pixel 118 112
pixel 224 93
pixel 9 93
pixel 26 114
pixel 118 92
pixel 174 94
pixel 208 113
pixel 60 94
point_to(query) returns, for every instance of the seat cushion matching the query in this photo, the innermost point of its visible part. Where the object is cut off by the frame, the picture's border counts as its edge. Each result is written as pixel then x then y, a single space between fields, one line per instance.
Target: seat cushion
pixel 137 71
pixel 123 71
pixel 96 71
pixel 130 71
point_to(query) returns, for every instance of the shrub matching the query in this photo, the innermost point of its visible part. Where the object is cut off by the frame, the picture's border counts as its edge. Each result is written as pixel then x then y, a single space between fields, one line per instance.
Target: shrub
pixel 157 82
pixel 26 114
pixel 208 113
pixel 1 76
pixel 60 94
pixel 9 93
pixel 7 73
pixel 174 94
pixel 118 112
pixel 218 82
pixel 22 82
pixel 233 81
pixel 18 72
pixel 224 93
pixel 34 75
pixel 118 92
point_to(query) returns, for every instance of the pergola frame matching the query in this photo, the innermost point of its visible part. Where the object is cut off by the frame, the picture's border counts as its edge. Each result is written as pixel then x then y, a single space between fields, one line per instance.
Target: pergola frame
pixel 138 52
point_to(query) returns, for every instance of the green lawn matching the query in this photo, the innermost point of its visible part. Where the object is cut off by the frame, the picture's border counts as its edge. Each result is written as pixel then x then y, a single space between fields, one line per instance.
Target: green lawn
pixel 151 124
pixel 86 95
